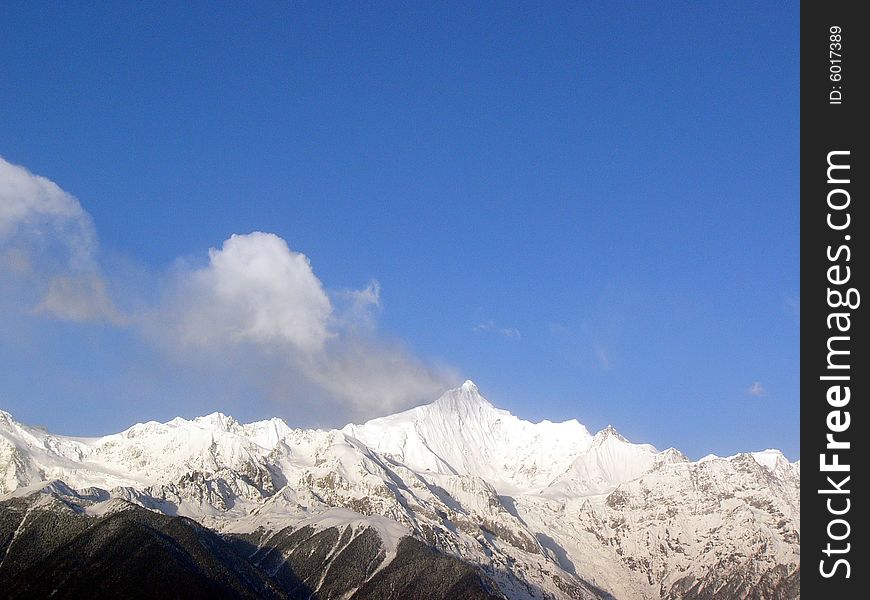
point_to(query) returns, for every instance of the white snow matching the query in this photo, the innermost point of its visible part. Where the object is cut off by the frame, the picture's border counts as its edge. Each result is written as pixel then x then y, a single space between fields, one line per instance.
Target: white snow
pixel 462 433
pixel 769 458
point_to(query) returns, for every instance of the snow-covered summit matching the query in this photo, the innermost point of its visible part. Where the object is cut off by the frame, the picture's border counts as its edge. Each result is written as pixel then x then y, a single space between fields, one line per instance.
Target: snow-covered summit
pixel 462 433
pixel 464 399
pixel 608 432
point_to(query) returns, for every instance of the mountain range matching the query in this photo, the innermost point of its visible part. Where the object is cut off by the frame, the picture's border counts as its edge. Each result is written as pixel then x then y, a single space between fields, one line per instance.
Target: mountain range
pixel 453 499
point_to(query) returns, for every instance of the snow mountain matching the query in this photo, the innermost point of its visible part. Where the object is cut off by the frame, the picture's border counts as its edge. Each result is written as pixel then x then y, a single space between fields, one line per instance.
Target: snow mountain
pixel 453 499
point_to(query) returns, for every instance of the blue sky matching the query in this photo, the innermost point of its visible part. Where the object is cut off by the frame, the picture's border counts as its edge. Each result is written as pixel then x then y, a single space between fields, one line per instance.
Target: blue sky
pixel 591 212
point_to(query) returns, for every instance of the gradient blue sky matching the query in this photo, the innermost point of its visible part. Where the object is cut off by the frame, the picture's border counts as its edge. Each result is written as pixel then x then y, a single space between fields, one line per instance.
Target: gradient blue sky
pixel 592 212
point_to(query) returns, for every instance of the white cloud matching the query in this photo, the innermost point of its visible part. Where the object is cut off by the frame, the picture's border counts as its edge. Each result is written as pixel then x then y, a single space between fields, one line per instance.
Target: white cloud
pixel 756 389
pixel 48 244
pixel 254 289
pixel 369 296
pixel 35 210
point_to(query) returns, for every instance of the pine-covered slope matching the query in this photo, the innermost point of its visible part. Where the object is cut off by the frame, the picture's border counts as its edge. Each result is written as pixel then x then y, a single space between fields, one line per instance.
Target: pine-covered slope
pixel 50 549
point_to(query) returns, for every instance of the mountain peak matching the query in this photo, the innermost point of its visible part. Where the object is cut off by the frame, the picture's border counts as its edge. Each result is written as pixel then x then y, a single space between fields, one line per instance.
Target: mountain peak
pixel 217 420
pixel 463 399
pixel 470 386
pixel 608 432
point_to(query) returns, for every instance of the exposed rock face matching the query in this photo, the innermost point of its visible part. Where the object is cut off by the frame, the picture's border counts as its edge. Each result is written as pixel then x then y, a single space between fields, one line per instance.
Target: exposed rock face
pixel 465 494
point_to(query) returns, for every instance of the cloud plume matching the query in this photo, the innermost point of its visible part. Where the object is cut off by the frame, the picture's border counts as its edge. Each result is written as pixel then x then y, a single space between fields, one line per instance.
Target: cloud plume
pixel 258 294
pixel 79 298
pixel 255 309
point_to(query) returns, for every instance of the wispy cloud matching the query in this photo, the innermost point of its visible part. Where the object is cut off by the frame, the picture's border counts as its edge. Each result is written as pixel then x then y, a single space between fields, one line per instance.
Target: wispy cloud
pixel 602 355
pixel 359 309
pixel 756 389
pixel 80 298
pixel 490 326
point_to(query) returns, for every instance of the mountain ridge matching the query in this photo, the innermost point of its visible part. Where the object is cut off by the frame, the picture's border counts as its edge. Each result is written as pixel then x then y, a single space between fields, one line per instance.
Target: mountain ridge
pixel 543 509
